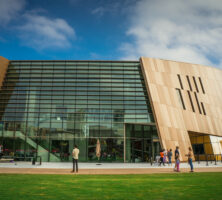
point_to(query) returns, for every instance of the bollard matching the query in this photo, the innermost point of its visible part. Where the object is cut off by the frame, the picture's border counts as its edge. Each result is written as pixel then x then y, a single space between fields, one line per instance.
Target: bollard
pixel 198 156
pixel 215 159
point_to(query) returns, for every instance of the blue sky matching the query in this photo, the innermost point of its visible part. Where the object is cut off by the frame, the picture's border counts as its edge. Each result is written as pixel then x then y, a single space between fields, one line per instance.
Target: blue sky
pixel 189 31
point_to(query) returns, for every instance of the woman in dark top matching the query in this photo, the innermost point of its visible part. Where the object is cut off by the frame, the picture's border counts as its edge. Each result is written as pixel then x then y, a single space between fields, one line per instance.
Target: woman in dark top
pixel 169 155
pixel 176 156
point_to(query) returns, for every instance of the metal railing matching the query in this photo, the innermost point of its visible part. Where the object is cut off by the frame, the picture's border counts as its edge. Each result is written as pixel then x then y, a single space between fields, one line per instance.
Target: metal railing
pixel 212 158
pixel 40 159
pixel 208 158
pixel 23 158
pixel 154 159
pixel 32 159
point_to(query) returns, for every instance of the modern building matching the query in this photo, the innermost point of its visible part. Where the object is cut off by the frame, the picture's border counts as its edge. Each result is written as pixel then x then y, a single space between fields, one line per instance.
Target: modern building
pixel 133 108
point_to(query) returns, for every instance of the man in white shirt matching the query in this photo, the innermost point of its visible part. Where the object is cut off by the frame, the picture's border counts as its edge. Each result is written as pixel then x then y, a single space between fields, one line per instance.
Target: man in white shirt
pixel 75 157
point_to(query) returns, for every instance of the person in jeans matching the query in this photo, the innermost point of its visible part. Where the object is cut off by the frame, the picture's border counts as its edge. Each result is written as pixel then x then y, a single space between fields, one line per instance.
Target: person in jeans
pixel 176 155
pixel 190 161
pixel 169 155
pixel 75 157
pixel 178 163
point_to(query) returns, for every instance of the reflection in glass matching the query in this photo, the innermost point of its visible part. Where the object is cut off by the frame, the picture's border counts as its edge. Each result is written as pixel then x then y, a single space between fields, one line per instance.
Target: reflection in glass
pixel 46 107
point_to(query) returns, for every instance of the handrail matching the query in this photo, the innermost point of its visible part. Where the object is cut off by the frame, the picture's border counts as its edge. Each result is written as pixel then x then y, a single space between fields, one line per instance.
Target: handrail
pixel 33 159
pixel 40 159
pixel 209 157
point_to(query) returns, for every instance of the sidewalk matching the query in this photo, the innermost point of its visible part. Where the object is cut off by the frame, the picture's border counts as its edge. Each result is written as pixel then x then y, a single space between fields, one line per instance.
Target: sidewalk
pixel 102 168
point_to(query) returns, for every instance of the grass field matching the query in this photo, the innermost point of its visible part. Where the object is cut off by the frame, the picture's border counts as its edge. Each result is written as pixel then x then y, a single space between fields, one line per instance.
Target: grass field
pixel 130 187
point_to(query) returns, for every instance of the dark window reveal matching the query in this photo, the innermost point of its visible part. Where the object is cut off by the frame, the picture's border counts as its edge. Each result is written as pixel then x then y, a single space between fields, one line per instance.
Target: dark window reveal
pixel 191 102
pixel 180 81
pixel 181 98
pixel 195 83
pixel 188 80
pixel 201 85
pixel 197 102
pixel 202 105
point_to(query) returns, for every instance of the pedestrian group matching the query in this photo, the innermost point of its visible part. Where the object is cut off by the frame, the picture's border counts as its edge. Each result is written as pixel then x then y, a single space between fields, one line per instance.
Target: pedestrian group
pixel 166 157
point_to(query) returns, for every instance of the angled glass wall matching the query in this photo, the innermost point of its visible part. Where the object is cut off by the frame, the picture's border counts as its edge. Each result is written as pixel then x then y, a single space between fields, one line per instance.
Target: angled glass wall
pixel 48 106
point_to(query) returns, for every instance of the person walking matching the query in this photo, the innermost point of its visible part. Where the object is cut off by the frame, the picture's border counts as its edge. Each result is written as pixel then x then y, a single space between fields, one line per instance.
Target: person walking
pixel 161 158
pixel 190 161
pixel 169 155
pixel 75 157
pixel 176 156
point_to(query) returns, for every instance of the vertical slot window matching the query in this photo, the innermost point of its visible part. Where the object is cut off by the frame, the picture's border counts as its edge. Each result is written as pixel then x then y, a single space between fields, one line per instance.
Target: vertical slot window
pixel 180 81
pixel 195 83
pixel 203 108
pixel 201 85
pixel 198 104
pixel 180 98
pixel 188 80
pixel 191 102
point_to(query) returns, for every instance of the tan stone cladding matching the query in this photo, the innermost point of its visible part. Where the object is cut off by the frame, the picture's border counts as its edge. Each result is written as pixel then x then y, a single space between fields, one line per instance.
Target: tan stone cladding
pixel 185 98
pixel 3 68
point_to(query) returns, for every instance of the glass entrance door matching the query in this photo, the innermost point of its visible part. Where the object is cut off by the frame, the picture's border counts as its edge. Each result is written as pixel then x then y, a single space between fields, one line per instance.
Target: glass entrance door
pixel 141 143
pixel 60 148
pixel 141 149
pixel 136 150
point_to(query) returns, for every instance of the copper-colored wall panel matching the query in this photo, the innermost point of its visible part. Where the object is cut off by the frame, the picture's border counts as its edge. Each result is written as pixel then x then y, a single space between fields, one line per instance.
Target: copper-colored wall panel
pixel 173 122
pixel 3 68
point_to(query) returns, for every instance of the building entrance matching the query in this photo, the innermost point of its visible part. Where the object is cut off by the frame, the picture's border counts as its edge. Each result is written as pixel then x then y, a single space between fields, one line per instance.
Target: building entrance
pixel 141 149
pixel 60 148
pixel 142 143
pixel 205 146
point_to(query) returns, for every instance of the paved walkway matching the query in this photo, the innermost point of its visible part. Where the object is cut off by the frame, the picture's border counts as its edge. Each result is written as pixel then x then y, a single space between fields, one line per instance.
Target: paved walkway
pixel 103 168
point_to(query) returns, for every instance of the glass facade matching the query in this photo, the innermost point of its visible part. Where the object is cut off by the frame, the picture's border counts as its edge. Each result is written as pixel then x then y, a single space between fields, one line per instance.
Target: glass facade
pixel 48 106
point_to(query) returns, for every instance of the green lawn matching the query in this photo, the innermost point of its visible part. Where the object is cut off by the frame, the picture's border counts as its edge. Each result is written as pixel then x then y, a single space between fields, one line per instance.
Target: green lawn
pixel 73 187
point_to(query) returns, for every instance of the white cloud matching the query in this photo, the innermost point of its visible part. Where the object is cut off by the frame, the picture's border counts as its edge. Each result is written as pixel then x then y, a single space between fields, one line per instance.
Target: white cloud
pixel 189 31
pixel 95 56
pixel 9 9
pixel 35 30
pixel 112 7
pixel 98 11
pixel 41 32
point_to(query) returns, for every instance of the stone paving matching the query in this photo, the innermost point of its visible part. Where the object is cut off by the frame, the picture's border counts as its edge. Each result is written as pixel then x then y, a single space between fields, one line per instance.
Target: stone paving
pixel 82 165
pixel 103 168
